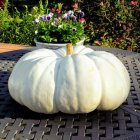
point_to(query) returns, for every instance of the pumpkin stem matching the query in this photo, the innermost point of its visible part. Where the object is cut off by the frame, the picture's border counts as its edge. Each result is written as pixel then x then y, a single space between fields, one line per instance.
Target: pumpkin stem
pixel 69 48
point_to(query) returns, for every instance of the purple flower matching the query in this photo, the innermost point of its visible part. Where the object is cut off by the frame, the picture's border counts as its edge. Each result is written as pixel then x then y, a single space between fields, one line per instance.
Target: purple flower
pixel 66 7
pixel 65 16
pixel 47 17
pixel 42 17
pixel 56 20
pixel 73 29
pixel 82 14
pixel 70 13
pixel 74 18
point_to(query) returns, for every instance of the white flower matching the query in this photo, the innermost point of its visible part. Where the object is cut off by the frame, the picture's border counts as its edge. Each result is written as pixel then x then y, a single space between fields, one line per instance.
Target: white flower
pixel 39 17
pixel 50 14
pixel 36 21
pixel 79 11
pixel 65 16
pixel 70 13
pixel 53 23
pixel 74 29
pixel 36 32
pixel 60 26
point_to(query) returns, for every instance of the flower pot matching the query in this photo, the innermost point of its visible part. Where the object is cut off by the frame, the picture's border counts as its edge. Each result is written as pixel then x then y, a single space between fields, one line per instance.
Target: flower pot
pixel 56 45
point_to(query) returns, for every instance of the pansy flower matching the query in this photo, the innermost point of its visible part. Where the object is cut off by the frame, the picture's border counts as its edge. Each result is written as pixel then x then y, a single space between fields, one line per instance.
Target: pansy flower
pixel 82 20
pixel 58 10
pixel 36 32
pixel 134 2
pixel 42 17
pixel 56 20
pixel 51 14
pixel 73 29
pixel 75 5
pixel 65 16
pixel 82 14
pixel 74 18
pixel 47 17
pixel 70 13
pixel 53 9
pixel 66 7
pixel 36 21
pixel 60 26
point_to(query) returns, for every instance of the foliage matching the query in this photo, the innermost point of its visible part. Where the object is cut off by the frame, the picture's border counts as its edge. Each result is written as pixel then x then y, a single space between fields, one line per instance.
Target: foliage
pixel 113 23
pixel 109 23
pixel 60 26
pixel 17 28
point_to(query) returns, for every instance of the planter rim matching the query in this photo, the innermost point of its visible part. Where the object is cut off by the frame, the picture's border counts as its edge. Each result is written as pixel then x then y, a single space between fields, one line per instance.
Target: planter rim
pixel 55 44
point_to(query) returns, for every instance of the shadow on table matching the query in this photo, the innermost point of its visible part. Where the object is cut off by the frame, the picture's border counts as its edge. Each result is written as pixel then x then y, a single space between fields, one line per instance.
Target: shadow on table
pixel 8 107
pixel 11 109
pixel 13 55
pixel 122 123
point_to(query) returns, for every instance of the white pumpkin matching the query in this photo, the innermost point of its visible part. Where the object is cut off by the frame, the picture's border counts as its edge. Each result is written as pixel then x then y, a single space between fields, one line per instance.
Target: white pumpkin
pixel 49 81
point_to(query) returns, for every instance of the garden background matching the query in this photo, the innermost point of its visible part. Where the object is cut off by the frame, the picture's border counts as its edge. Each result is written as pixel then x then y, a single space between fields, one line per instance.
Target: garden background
pixel 109 23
